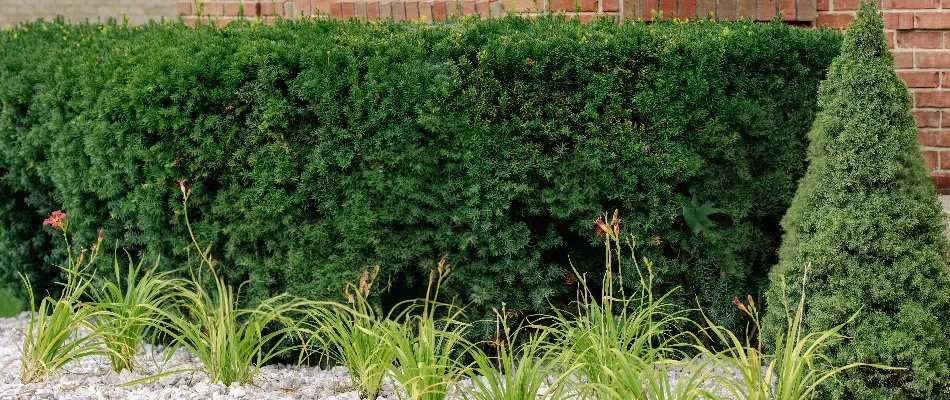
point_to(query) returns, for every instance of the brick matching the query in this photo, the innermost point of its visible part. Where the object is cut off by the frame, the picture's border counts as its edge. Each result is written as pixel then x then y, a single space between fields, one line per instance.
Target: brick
pixel 190 20
pixel 920 79
pixel 944 3
pixel 920 40
pixel 909 4
pixel 931 158
pixel 926 118
pixel 898 20
pixel 746 8
pixel 468 7
pixel 372 10
pixel 561 5
pixel 336 10
pixel 439 10
pixel 184 8
pixel 385 9
pixel 303 7
pixel 889 37
pixel 944 158
pixel 425 9
pixel 668 7
pixel 824 5
pixel 233 9
pixel 767 9
pixel 213 8
pixel 630 8
pixel 481 7
pixel 844 5
pixel 359 8
pixel 837 21
pixel 931 98
pixel 398 10
pixel 453 7
pixel 787 8
pixel 247 9
pixel 932 59
pixel 612 5
pixel 525 5
pixel 648 7
pixel 932 20
pixel 321 6
pixel 807 10
pixel 687 9
pixel 706 7
pixel 728 9
pixel 945 79
pixel 945 119
pixel 412 10
pixel 903 59
pixel 936 138
pixel 268 8
pixel 928 138
pixel 941 180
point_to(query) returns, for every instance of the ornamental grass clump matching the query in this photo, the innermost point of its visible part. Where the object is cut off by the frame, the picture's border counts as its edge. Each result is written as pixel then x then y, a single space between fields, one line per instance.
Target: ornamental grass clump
pixel 130 305
pixel 231 342
pixel 867 220
pixel 611 331
pixel 60 330
pixel 524 366
pixel 426 338
pixel 350 336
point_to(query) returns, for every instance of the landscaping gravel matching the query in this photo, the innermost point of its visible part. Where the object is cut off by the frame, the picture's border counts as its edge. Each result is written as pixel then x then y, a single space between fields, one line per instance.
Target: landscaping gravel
pixel 93 378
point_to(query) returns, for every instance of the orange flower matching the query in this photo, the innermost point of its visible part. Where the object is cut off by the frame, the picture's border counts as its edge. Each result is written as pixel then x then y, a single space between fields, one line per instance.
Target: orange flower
pixel 601 226
pixel 739 304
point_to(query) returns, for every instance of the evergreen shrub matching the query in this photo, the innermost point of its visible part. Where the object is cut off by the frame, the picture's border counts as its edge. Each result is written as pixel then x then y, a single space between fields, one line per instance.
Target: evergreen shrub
pixel 865 232
pixel 318 149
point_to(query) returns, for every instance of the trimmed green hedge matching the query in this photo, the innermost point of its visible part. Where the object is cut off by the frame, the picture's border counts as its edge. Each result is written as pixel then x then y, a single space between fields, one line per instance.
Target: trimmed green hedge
pixel 318 149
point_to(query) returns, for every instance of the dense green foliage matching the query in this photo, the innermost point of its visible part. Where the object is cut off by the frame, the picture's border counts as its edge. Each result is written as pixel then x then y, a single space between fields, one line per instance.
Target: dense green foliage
pixel 867 221
pixel 319 149
pixel 10 303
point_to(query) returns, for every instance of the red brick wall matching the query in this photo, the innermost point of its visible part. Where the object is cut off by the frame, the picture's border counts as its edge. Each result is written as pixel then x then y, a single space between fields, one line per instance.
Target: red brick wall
pixel 918 31
pixel 803 11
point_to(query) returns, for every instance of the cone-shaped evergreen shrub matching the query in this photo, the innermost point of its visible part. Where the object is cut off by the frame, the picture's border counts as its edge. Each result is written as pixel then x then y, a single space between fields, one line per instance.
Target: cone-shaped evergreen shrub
pixel 867 221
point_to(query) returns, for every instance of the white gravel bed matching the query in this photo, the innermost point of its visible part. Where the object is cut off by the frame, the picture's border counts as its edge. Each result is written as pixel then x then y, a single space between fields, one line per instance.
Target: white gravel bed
pixel 93 378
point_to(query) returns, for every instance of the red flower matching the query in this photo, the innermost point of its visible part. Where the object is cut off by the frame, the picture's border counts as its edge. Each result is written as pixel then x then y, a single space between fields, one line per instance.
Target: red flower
pixel 739 304
pixel 601 227
pixel 55 219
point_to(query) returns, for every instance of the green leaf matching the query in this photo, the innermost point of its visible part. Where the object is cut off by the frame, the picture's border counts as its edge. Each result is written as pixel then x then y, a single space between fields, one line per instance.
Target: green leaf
pixel 697 216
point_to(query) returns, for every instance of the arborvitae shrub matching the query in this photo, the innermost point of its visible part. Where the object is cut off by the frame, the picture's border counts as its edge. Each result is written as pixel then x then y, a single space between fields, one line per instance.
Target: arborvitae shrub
pixel 867 221
pixel 316 149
